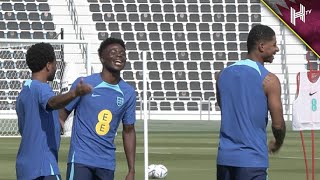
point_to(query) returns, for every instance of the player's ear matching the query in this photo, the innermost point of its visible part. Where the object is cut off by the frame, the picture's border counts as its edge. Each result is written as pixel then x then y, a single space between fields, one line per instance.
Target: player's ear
pixel 260 46
pixel 48 65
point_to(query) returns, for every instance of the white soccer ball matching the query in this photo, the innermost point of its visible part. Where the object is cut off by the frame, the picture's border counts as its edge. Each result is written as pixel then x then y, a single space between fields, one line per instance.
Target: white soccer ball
pixel 151 170
pixel 160 171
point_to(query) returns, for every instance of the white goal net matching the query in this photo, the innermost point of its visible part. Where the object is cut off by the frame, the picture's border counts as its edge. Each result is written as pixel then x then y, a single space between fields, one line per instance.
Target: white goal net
pixel 72 61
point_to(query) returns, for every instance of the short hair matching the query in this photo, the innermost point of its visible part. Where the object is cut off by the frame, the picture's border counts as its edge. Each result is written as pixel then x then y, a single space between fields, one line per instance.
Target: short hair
pixel 38 55
pixel 105 43
pixel 259 33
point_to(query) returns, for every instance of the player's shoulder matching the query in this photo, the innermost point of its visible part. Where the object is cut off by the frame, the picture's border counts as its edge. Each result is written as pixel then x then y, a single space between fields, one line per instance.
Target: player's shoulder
pixel 271 80
pixel 93 76
pixel 126 87
pixel 91 79
pixel 36 85
pixel 271 77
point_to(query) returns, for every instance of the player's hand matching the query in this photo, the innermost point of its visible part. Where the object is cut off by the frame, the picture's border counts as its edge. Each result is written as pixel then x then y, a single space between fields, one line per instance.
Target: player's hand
pixel 130 175
pixel 82 88
pixel 273 147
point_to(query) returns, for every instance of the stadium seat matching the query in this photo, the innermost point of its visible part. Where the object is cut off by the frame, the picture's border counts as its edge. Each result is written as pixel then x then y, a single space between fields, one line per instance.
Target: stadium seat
pixel 4 84
pixel 242 8
pixel 128 75
pixel 207 86
pixel 34 16
pixel 231 8
pixel 193 75
pixel 25 35
pixel 38 35
pixel 192 106
pixel 171 95
pixel 31 7
pixel 154 75
pixel 3 26
pixel 96 8
pixel 24 75
pixel 167 75
pixel 51 35
pixel 207 56
pixel 220 56
pixel 18 7
pixel 156 85
pixel 3 94
pixel 178 106
pixel 152 65
pixel 4 105
pixel 2 74
pixel 44 7
pixel 25 26
pixel 12 35
pixel 205 66
pixel 6 7
pixel 165 106
pixel 9 16
pixel 12 74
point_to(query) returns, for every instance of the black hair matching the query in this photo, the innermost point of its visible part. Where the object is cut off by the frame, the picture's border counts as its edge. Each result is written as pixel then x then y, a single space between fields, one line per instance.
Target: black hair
pixel 38 55
pixel 105 43
pixel 257 34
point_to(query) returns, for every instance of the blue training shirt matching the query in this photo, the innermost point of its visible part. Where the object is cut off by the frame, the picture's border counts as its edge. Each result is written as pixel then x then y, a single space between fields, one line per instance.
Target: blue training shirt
pixel 96 120
pixel 40 132
pixel 244 115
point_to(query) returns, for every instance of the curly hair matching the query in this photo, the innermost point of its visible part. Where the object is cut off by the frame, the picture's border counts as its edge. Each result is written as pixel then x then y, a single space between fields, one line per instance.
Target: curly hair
pixel 257 34
pixel 38 55
pixel 105 43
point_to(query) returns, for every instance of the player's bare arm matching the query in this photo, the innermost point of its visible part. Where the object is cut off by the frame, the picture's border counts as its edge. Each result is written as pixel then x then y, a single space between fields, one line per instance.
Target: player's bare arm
pixel 272 89
pixel 217 89
pixel 62 100
pixel 129 141
pixel 63 115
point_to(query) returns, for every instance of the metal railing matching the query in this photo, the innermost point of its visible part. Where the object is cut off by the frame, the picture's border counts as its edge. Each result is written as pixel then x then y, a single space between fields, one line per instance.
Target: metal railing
pixel 284 67
pixel 78 30
pixel 209 103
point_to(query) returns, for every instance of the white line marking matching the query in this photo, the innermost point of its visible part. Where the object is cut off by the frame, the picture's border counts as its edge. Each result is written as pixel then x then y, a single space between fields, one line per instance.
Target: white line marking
pixel 291 157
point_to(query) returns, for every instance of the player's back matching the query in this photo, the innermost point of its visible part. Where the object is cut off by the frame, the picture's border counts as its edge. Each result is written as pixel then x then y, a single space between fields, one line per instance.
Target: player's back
pixel 40 132
pixel 244 115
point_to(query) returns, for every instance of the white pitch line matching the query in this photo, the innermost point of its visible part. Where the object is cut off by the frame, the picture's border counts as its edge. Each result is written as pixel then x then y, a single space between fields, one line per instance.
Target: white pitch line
pixel 168 148
pixel 288 157
pixel 141 152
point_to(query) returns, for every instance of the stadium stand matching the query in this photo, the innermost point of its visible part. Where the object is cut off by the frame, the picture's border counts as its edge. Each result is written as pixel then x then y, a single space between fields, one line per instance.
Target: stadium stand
pixel 24 19
pixel 188 40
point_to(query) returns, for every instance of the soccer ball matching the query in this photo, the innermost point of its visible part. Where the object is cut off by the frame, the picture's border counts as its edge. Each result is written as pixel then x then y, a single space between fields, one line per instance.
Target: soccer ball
pixel 151 170
pixel 160 171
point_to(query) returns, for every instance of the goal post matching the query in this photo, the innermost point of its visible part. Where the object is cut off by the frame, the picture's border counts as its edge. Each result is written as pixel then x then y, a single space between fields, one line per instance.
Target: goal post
pixel 73 57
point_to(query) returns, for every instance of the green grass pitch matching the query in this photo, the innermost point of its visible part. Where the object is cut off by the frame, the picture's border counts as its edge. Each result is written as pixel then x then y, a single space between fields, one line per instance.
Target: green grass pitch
pixel 187 148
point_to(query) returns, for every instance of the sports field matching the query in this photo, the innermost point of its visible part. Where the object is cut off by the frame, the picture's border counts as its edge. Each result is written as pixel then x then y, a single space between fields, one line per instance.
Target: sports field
pixel 187 148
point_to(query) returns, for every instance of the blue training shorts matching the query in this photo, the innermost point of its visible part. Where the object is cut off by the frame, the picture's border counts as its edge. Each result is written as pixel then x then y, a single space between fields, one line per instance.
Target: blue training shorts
pixel 241 173
pixel 76 171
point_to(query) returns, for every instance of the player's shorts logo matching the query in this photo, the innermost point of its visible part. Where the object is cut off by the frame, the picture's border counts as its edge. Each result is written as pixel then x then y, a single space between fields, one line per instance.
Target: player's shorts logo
pixel 120 101
pixel 104 119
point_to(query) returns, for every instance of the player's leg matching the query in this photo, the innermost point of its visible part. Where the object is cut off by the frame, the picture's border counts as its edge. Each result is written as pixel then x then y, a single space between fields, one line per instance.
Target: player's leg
pixel 224 172
pixel 104 174
pixel 250 173
pixel 53 177
pixel 76 171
